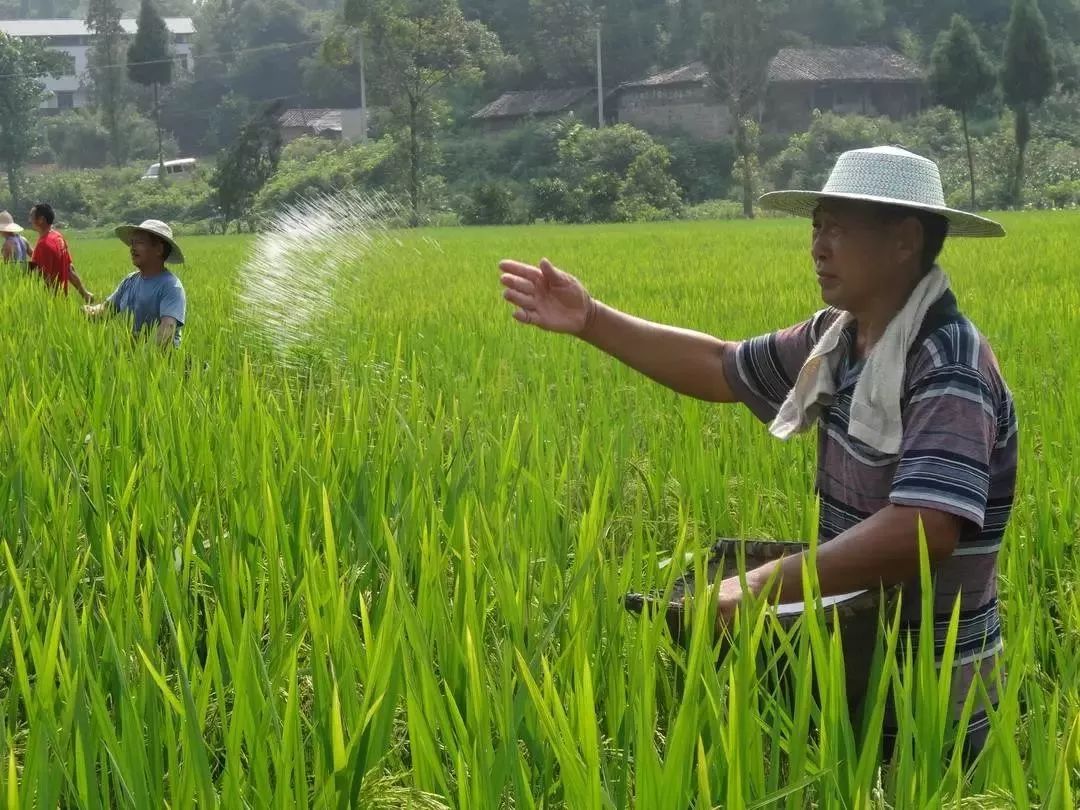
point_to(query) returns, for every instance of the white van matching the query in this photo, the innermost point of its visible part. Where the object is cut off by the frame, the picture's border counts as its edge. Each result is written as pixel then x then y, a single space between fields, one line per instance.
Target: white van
pixel 174 169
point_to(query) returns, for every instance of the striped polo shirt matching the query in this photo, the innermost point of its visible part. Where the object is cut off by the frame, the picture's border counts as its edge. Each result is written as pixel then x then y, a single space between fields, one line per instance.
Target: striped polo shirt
pixel 958 455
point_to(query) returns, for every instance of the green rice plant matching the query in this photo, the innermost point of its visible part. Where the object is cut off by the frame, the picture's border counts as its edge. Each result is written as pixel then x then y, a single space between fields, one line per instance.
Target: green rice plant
pixel 389 573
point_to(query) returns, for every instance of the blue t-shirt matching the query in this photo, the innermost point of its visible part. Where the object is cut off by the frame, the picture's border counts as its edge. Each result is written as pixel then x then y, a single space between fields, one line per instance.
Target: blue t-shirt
pixel 148 300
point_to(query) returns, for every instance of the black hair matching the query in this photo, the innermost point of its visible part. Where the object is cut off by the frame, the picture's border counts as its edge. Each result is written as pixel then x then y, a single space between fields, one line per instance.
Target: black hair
pixel 935 229
pixel 45 211
pixel 166 249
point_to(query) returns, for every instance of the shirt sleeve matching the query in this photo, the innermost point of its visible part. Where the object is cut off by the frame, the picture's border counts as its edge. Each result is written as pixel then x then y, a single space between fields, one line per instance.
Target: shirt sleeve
pixel 762 370
pixel 114 297
pixel 950 429
pixel 174 304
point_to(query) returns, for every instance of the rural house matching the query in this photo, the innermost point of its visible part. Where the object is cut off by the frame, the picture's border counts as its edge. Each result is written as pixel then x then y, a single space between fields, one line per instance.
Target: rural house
pixel 862 80
pixel 518 106
pixel 339 125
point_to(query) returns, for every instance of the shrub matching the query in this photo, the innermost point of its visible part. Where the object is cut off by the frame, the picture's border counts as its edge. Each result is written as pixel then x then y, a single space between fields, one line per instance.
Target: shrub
pixel 617 173
pixel 489 204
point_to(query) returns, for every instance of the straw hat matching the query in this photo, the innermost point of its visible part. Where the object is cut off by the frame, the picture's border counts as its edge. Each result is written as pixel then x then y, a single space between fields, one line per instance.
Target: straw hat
pixel 8 223
pixel 158 229
pixel 888 175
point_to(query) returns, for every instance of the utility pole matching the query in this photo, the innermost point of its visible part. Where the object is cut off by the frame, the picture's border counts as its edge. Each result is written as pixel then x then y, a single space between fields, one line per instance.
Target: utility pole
pixel 599 74
pixel 363 94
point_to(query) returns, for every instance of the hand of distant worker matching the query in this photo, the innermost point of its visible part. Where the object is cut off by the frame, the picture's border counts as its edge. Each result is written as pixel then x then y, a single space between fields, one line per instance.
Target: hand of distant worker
pixel 88 296
pixel 94 311
pixel 547 298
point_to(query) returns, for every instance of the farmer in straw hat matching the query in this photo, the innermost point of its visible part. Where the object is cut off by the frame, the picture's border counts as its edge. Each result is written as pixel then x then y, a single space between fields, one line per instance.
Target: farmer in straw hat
pixel 914 421
pixel 151 295
pixel 16 249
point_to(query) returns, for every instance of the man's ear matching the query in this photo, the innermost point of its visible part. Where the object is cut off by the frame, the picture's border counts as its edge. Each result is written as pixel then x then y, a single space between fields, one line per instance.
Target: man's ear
pixel 909 239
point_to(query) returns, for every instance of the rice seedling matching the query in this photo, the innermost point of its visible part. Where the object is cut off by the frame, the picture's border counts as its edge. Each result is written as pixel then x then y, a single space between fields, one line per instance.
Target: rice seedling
pixel 391 575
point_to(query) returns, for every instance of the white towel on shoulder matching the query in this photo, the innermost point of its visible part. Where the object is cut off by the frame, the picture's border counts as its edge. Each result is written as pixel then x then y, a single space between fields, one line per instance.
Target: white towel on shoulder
pixel 875 407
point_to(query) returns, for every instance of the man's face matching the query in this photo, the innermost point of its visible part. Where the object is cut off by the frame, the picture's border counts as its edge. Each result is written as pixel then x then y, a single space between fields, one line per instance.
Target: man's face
pixel 146 251
pixel 36 222
pixel 857 254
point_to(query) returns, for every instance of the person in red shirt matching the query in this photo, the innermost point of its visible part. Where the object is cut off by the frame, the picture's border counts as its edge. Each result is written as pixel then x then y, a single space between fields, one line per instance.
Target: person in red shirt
pixel 51 257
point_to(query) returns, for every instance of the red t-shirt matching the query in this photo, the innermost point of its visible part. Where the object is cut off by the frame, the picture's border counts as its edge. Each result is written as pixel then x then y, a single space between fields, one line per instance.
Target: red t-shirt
pixel 53 260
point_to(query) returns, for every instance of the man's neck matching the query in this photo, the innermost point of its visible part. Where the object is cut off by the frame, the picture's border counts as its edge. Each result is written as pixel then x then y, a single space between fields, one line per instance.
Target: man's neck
pixel 874 317
pixel 150 272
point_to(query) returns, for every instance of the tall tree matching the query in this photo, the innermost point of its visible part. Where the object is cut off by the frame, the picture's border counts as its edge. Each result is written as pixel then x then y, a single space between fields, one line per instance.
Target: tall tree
pixel 564 38
pixel 417 47
pixel 246 166
pixel 960 74
pixel 150 64
pixel 837 22
pixel 564 33
pixel 740 38
pixel 1027 78
pixel 106 60
pixel 682 31
pixel 23 64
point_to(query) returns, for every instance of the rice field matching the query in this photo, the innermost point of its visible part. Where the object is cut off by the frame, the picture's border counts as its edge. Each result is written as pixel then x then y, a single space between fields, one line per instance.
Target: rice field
pixel 389 573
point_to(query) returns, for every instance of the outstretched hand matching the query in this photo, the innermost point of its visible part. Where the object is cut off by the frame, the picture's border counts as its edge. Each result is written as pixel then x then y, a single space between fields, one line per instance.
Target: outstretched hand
pixel 547 298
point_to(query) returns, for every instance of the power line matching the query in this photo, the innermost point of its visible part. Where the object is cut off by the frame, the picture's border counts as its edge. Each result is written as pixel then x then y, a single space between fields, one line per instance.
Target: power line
pixel 195 57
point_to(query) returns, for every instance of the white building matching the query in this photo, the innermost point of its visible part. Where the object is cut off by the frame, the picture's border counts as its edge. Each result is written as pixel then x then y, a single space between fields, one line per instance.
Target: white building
pixel 74 38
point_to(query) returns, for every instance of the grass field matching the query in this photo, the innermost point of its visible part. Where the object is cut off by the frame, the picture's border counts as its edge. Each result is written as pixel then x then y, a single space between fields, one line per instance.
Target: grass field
pixel 389 576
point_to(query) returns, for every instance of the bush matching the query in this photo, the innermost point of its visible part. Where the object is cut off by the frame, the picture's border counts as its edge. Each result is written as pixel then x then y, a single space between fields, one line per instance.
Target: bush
pixel 714 209
pixel 79 140
pixel 492 204
pixel 613 174
pixel 301 175
pixel 554 201
pixel 810 156
pixel 521 154
pixel 701 168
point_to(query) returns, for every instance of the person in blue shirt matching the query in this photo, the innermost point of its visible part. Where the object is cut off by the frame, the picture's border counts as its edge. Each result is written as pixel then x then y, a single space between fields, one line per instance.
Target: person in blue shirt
pixel 151 296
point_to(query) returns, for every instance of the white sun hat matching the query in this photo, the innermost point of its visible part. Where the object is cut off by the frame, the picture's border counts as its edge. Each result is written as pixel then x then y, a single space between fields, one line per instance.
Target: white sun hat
pixel 158 229
pixel 8 224
pixel 887 175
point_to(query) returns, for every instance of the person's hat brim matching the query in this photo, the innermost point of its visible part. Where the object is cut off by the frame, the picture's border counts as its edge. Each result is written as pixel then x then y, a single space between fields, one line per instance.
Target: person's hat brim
pixel 125 232
pixel 11 228
pixel 803 203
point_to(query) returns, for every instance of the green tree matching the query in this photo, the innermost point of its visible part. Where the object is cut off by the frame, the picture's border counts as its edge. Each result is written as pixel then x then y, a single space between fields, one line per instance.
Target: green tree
pixel 417 48
pixel 23 64
pixel 247 165
pixel 960 74
pixel 150 64
pixel 564 39
pixel 106 60
pixel 836 22
pixel 1027 78
pixel 740 38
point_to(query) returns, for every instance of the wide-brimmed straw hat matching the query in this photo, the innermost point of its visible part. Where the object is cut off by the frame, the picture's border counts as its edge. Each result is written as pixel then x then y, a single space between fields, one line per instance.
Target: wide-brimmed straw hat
pixel 8 223
pixel 887 175
pixel 158 229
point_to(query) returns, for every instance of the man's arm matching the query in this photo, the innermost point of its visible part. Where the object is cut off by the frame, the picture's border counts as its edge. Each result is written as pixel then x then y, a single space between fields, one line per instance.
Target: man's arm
pixel 166 331
pixel 881 550
pixel 687 362
pixel 77 281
